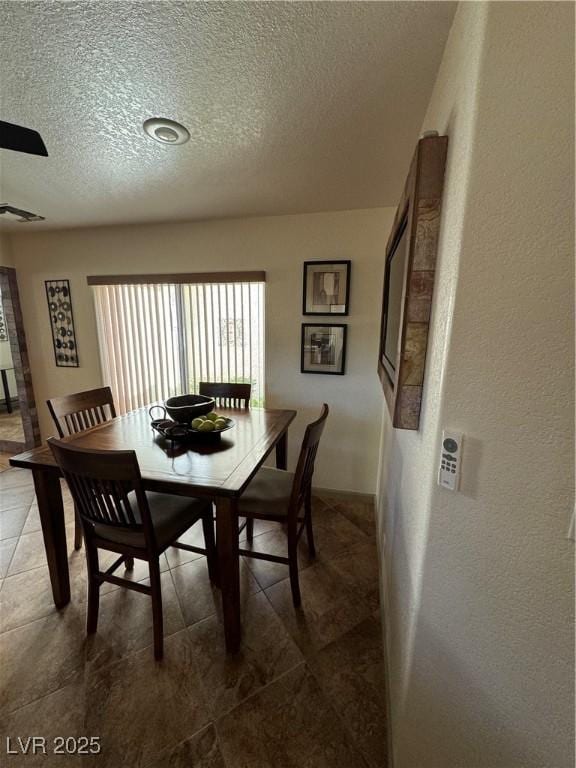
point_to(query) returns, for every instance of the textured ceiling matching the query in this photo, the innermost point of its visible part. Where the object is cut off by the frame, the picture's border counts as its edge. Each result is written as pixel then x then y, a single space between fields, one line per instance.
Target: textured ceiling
pixel 292 107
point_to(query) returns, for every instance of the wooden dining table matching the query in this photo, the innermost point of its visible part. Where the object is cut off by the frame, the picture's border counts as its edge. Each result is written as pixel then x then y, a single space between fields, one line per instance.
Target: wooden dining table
pixel 219 469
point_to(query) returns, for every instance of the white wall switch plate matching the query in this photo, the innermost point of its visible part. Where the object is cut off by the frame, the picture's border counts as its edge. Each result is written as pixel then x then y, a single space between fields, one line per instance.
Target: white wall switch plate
pixel 450 460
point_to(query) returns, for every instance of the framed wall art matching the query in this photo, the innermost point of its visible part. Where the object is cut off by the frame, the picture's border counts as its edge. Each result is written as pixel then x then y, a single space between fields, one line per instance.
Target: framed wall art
pixel 62 323
pixel 323 348
pixel 409 283
pixel 326 287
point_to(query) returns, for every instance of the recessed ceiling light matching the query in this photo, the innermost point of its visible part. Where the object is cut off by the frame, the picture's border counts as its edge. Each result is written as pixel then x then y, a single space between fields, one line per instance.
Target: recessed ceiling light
pixel 166 131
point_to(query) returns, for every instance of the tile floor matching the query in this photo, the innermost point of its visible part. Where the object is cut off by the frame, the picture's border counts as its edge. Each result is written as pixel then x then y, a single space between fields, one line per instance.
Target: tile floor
pixel 306 689
pixel 11 426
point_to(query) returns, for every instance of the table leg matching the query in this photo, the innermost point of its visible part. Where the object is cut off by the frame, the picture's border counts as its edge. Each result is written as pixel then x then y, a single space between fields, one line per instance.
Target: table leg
pixel 51 509
pixel 6 391
pixel 282 452
pixel 228 560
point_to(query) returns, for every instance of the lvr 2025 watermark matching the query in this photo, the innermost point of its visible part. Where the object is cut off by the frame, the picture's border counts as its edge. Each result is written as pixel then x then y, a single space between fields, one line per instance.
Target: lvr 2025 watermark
pixel 59 745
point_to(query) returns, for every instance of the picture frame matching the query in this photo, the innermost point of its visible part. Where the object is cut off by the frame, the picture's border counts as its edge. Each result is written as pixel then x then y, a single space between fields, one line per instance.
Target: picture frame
pixel 323 348
pixel 59 300
pixel 409 283
pixel 326 287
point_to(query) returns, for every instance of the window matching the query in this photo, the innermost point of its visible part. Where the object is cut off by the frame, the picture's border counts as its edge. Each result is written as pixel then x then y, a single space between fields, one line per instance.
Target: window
pixel 159 339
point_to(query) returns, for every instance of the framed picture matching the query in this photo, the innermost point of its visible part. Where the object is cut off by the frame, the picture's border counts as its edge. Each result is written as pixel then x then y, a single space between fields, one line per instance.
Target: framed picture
pixel 409 283
pixel 326 287
pixel 323 349
pixel 62 323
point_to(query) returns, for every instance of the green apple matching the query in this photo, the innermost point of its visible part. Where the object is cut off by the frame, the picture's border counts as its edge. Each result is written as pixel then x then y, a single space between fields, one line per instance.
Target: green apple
pixel 220 423
pixel 197 422
pixel 206 426
pixel 212 416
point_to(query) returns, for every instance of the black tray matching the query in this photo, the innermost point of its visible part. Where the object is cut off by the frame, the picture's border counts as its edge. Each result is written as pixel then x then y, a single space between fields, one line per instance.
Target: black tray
pixel 181 433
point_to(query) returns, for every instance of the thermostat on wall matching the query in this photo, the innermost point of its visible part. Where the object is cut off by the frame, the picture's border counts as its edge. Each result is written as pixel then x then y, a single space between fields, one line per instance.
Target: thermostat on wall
pixel 450 460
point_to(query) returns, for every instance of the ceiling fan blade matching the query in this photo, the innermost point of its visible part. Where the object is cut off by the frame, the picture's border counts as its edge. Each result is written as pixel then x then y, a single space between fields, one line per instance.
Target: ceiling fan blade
pixel 21 139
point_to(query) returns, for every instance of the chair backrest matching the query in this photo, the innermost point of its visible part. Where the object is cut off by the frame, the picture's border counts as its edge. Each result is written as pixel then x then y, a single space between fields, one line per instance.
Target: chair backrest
pixel 75 413
pixel 305 467
pixel 100 482
pixel 227 395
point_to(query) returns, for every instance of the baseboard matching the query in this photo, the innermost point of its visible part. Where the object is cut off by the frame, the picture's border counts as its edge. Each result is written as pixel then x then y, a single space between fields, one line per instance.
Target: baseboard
pixel 10 446
pixel 333 493
pixel 13 401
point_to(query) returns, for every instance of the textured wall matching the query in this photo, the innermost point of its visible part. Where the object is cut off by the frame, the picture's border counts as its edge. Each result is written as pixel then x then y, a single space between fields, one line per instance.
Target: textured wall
pixel 479 584
pixel 348 458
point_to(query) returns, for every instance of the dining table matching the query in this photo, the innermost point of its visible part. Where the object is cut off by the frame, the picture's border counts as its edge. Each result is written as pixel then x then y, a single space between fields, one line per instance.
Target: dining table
pixel 216 467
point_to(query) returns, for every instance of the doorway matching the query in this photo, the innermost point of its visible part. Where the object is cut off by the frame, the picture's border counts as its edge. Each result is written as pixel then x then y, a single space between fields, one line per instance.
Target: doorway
pixel 19 428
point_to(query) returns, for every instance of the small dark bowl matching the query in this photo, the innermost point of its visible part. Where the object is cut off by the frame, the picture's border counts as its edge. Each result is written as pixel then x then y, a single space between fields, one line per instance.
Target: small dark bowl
pixel 184 408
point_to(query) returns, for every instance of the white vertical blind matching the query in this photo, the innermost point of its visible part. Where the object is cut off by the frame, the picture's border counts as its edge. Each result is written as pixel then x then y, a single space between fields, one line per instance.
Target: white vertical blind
pixel 160 340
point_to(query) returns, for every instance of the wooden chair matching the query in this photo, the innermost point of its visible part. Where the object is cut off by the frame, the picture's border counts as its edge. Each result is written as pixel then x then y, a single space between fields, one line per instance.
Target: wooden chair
pixel 75 413
pixel 227 395
pixel 119 516
pixel 230 396
pixel 280 496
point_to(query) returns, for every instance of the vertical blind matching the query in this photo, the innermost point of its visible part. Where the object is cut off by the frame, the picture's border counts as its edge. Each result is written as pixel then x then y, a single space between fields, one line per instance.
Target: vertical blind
pixel 160 340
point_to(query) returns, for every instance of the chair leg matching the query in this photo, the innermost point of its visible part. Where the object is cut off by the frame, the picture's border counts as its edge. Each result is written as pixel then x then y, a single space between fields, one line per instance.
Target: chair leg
pixel 308 517
pixel 93 589
pixel 129 563
pixel 293 566
pixel 210 543
pixel 249 529
pixel 77 530
pixel 157 617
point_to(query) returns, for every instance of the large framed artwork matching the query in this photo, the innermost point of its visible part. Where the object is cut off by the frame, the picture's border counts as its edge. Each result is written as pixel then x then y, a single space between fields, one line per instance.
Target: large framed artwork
pixel 326 287
pixel 409 283
pixel 323 348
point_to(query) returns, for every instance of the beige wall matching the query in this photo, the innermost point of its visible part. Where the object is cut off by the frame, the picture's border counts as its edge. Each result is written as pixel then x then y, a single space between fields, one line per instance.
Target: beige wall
pixel 479 584
pixel 348 457
pixel 5 252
